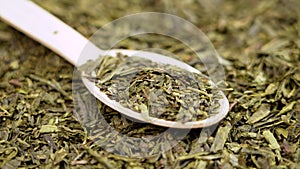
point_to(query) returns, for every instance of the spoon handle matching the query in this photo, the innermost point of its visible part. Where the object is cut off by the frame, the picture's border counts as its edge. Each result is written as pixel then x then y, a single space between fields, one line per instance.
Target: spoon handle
pixel 48 30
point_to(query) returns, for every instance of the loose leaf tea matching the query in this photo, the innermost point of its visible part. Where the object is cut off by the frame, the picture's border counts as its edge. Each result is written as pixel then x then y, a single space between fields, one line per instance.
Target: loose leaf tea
pixel 157 90
pixel 260 48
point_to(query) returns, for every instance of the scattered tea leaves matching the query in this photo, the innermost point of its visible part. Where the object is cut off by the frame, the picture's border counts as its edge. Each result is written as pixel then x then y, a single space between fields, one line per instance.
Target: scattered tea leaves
pixel 260 46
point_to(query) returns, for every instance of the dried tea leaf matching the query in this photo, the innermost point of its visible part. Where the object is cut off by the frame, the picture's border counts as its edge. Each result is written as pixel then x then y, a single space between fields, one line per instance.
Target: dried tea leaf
pixel 271 89
pixel 12 164
pixel 271 139
pixel 233 146
pixel 262 112
pixel 144 111
pixel 283 132
pixel 60 155
pixel 221 137
pixel 275 45
pixel 49 129
pixel 287 108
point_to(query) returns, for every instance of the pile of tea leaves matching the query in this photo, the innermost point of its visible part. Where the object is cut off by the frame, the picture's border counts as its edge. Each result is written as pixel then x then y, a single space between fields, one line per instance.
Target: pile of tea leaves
pixel 260 49
pixel 157 90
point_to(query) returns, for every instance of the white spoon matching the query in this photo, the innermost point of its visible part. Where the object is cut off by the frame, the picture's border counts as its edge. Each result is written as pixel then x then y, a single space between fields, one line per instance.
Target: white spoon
pixel 48 30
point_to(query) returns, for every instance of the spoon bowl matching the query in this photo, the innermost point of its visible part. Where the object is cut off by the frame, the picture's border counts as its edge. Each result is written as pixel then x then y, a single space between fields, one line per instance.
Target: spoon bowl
pixel 224 105
pixel 45 28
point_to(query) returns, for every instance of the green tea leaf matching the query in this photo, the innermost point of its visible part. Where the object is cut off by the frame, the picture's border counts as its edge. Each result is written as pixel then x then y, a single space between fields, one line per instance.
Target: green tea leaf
pixel 261 112
pixel 49 129
pixel 271 139
pixel 221 137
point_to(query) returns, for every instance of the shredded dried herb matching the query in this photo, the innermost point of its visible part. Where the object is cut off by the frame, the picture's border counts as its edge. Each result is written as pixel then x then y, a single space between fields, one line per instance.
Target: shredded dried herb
pixel 157 90
pixel 260 46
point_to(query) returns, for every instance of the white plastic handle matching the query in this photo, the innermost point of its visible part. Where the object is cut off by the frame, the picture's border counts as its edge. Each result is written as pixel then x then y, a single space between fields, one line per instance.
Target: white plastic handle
pixel 48 30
